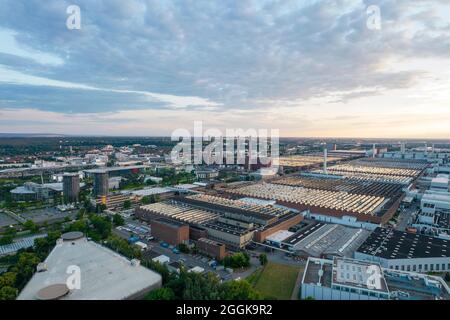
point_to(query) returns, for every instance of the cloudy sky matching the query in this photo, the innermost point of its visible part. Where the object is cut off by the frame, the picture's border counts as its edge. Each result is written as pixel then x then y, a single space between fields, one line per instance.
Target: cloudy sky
pixel 147 67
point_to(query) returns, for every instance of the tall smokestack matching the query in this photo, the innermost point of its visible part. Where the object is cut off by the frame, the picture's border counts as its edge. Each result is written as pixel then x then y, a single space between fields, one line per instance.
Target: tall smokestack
pixel 373 151
pixel 426 148
pixel 325 154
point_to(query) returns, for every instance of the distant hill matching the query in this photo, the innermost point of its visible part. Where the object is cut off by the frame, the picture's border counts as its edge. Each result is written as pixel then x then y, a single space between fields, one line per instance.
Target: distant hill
pixel 31 135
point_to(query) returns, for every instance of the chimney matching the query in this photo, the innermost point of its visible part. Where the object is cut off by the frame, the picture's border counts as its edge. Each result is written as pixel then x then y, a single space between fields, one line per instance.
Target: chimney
pixel 325 154
pixel 374 151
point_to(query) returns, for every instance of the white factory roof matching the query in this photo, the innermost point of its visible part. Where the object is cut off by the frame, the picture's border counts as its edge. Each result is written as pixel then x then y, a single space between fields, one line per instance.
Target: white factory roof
pixel 151 191
pixel 279 236
pixel 437 196
pixel 105 275
pixel 185 186
pixel 257 201
pixel 441 179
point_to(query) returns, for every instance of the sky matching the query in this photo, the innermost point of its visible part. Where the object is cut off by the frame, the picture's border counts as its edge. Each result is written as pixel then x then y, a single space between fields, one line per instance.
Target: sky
pixel 148 67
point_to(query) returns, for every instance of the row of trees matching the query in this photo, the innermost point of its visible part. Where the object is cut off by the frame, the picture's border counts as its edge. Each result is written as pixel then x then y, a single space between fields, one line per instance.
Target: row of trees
pixel 93 225
pixel 9 234
pixel 194 286
pixel 23 266
pixel 237 260
pixel 123 247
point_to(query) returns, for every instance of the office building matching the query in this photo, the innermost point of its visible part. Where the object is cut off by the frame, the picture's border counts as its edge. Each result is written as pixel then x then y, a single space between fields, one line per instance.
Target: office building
pixel 71 187
pixel 405 251
pixel 101 184
pixel 349 279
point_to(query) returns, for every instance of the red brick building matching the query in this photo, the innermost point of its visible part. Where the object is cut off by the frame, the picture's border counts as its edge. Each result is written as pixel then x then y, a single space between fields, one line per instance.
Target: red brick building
pixel 211 248
pixel 170 231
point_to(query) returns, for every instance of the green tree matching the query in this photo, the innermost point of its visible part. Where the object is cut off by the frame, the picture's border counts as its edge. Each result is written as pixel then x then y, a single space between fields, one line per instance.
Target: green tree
pixel 11 231
pixel 30 225
pixel 25 268
pixel 127 204
pixel 159 268
pixel 238 290
pixel 183 248
pixel 447 277
pixel 8 279
pixel 201 287
pixel 43 246
pixel 123 247
pixel 80 225
pixel 8 293
pixel 263 259
pixel 237 260
pixel 81 213
pixel 101 227
pixel 161 294
pixel 6 240
pixel 118 220
pixel 100 208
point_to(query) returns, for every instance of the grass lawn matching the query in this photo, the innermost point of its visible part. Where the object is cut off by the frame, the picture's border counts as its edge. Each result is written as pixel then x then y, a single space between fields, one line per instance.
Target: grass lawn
pixel 275 280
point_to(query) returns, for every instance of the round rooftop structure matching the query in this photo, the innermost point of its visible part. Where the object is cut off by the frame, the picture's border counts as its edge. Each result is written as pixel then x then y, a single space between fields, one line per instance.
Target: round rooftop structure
pixel 53 292
pixel 70 236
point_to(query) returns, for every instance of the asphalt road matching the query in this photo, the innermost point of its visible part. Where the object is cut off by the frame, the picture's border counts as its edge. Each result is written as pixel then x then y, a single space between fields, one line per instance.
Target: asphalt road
pixel 405 218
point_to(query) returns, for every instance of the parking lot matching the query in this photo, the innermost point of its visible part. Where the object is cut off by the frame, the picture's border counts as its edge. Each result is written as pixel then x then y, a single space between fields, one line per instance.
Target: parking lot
pixel 5 220
pixel 49 215
pixel 134 227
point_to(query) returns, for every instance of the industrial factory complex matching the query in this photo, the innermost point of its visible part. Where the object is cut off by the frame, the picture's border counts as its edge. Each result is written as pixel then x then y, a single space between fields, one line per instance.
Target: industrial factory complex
pixel 233 222
pixel 367 201
pixel 340 214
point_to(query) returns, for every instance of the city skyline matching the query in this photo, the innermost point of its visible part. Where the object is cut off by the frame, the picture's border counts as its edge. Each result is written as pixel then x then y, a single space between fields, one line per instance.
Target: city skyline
pixel 308 68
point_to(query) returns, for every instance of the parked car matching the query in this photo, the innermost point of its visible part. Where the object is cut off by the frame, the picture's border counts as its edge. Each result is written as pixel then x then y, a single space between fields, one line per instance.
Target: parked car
pixel 164 244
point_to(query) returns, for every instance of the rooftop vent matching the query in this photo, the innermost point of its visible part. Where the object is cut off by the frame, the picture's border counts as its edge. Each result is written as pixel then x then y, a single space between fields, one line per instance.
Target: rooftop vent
pixel 135 262
pixel 70 236
pixel 41 267
pixel 53 292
